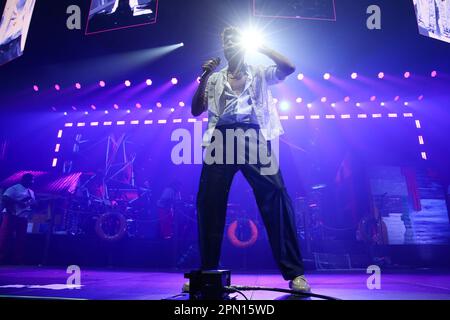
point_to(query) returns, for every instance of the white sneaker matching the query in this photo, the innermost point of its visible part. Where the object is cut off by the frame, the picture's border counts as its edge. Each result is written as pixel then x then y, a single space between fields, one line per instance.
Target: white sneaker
pixel 185 288
pixel 300 284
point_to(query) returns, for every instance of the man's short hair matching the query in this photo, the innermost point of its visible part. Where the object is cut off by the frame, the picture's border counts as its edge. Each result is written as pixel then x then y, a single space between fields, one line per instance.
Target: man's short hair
pixel 230 30
pixel 27 177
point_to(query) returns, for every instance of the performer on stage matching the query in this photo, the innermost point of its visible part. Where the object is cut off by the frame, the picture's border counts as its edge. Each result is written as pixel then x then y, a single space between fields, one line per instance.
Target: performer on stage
pixel 17 201
pixel 238 98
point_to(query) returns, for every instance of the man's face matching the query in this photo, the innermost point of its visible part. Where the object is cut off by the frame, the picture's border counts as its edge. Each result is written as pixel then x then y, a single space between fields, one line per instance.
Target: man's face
pixel 231 46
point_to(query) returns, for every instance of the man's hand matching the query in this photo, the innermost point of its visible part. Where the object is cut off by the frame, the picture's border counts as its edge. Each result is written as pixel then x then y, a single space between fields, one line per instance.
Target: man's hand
pixel 284 66
pixel 210 65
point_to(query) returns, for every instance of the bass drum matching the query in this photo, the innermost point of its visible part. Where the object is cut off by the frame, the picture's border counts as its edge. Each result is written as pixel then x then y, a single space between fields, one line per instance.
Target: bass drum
pixel 111 226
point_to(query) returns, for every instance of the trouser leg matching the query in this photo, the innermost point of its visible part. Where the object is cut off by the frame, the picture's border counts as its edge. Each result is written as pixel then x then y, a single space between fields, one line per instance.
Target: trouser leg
pixel 212 200
pixel 6 236
pixel 19 244
pixel 278 215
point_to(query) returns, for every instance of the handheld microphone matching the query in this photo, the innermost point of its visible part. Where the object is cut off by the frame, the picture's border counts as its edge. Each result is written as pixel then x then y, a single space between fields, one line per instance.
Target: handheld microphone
pixel 206 71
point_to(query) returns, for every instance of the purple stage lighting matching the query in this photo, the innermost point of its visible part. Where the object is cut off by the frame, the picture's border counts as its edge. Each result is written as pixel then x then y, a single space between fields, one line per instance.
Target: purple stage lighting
pixel 65 113
pixel 93 107
pixel 102 83
pixel 323 99
pixel 138 105
pixel 407 74
pixel 174 81
pixel 106 111
pixel 347 99
pixel 309 105
pixel 358 104
pixel 78 85
pixel 116 106
pixel 86 112
pixel 57 87
pixel 333 105
pixel 127 83
pixel 299 100
pixel 300 76
pixel 158 104
pixel 434 74
pixel 406 103
pixel 354 75
pixel 149 82
pixel 420 98
pixel 381 75
pixel 172 109
pixel 36 88
pixel 373 98
pixel 128 111
pixel 396 98
pixel 181 104
pixel 382 104
pixel 327 76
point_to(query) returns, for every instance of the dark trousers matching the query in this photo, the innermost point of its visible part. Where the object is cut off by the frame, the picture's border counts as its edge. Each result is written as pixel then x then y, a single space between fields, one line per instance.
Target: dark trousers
pixel 13 232
pixel 273 202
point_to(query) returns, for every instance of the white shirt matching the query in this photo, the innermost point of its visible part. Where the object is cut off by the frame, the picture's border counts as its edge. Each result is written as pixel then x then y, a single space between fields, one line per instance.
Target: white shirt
pixel 18 193
pixel 257 87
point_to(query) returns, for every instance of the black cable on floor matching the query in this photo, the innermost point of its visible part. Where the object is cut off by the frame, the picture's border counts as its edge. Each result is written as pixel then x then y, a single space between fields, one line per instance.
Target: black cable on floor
pixel 304 294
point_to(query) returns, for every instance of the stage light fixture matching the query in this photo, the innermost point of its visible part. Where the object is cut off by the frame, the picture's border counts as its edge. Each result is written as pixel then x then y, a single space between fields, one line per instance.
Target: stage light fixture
pixel 36 88
pixel 116 106
pixel 299 100
pixel 149 82
pixel 93 107
pixel 181 104
pixel 373 98
pixel 327 76
pixel 65 113
pixel 354 75
pixel 251 40
pixel 358 104
pixel 138 105
pixel 172 109
pixel 347 99
pixel 309 105
pixel 86 112
pixel 127 83
pixel 128 111
pixel 381 75
pixel 382 104
pixel 78 85
pixel 57 87
pixel 106 111
pixel 102 84
pixel 420 98
pixel 323 99
pixel 284 105
pixel 300 76
pixel 397 98
pixel 174 81
pixel 406 103
pixel 333 105
pixel 407 74
pixel 434 74
pixel 158 104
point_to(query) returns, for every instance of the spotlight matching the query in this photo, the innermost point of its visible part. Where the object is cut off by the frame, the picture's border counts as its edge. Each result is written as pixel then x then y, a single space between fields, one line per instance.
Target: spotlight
pixel 149 82
pixel 174 81
pixel 74 108
pixel 65 113
pixel 93 107
pixel 358 104
pixel 78 85
pixel 354 75
pixel 198 79
pixel 406 103
pixel 116 106
pixel 127 83
pixel 284 105
pixel 181 44
pixel 128 111
pixel 251 40
pixel 102 83
pixel 323 99
pixel 347 99
pixel 36 88
pixel 172 109
pixel 181 104
pixel 333 105
pixel 420 98
pixel 138 105
pixel 309 105
pixel 106 111
pixel 158 104
pixel 300 76
pixel 299 100
pixel 407 74
pixel 327 76
pixel 373 98
pixel 396 98
pixel 150 110
pixel 381 75
pixel 86 112
pixel 57 87
pixel 382 104
pixel 434 74
pixel 275 100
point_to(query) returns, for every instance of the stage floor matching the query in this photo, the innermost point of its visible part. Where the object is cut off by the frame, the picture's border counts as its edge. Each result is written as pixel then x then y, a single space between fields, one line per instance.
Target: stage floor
pixel 44 282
